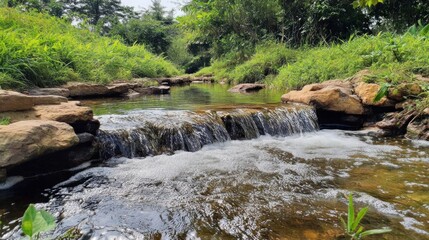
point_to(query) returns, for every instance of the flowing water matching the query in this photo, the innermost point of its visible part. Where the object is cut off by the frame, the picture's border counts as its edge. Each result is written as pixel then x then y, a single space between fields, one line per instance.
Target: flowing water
pixel 246 168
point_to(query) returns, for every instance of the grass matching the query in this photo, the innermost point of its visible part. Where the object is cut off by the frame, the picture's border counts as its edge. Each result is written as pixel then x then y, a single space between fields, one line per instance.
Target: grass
pixel 393 58
pixel 41 50
pixel 4 121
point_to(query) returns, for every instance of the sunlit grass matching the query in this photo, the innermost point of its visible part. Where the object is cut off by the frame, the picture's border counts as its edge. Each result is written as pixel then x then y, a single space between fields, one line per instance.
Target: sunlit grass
pixel 40 50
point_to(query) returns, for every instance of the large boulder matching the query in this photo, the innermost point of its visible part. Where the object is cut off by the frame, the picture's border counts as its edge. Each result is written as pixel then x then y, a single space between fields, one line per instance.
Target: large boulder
pixel 63 92
pixel 26 140
pixel 332 95
pixel 404 91
pixel 117 89
pixel 247 87
pixel 14 101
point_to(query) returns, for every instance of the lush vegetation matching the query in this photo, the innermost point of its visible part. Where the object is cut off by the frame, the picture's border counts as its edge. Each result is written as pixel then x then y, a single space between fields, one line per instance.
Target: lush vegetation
pixel 41 50
pixel 392 57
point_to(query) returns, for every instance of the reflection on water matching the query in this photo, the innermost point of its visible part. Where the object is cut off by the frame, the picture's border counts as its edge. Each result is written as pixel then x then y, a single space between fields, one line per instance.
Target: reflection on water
pixel 193 97
pixel 266 188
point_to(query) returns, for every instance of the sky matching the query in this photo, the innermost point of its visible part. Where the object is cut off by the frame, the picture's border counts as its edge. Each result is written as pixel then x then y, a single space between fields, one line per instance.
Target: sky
pixel 144 4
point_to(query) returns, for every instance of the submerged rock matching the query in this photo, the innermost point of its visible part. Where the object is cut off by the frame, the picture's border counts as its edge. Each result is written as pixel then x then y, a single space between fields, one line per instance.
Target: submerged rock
pixel 26 140
pixel 247 87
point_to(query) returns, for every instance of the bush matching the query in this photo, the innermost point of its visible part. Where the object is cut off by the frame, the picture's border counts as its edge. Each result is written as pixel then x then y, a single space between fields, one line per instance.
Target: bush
pixel 41 50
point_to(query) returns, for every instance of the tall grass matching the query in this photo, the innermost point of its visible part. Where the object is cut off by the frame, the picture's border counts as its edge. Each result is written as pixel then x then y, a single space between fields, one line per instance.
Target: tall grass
pixel 393 58
pixel 40 50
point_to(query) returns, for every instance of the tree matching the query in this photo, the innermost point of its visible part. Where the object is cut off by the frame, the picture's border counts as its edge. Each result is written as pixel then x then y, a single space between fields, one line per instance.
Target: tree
pixel 155 29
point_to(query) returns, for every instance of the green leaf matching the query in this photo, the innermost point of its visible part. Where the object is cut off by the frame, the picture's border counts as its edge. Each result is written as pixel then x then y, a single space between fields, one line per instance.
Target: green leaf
pixel 351 214
pixel 375 231
pixel 28 220
pixel 359 217
pixel 382 92
pixel 35 222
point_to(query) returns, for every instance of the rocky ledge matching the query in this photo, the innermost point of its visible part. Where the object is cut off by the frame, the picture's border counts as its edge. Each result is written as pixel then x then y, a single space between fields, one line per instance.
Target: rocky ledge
pixel 42 129
pixel 349 104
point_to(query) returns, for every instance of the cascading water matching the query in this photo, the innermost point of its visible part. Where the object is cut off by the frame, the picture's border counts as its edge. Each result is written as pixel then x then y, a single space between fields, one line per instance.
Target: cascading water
pixel 153 132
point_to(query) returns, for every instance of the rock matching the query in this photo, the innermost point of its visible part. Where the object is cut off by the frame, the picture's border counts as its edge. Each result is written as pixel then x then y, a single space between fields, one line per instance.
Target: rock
pixel 82 90
pixel 3 175
pixel 14 101
pixel 404 90
pixel 48 100
pixel 85 137
pixel 181 80
pixel 203 79
pixel 117 89
pixel 63 92
pixel 153 90
pixel 329 97
pixel 26 140
pixel 247 87
pixel 132 94
pixel 367 92
pixel 419 127
pixel 86 126
pixel 396 122
pixel 69 112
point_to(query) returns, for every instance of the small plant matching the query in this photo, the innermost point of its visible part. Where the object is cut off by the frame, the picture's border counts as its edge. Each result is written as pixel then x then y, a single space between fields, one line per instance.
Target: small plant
pixel 36 221
pixel 4 121
pixel 352 227
pixel 384 90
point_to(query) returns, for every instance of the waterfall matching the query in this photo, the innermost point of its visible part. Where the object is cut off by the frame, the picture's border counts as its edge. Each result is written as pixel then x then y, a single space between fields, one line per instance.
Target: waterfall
pixel 153 132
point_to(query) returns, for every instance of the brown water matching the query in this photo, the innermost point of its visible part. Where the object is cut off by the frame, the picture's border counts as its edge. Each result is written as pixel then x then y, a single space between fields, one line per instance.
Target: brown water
pixel 270 187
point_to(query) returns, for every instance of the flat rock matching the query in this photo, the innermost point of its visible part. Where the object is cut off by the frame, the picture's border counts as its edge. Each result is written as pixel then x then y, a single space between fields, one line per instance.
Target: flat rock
pixel 48 100
pixel 63 92
pixel 119 88
pixel 173 81
pixel 26 140
pixel 68 112
pixel 329 97
pixel 14 101
pixel 246 87
pixel 82 90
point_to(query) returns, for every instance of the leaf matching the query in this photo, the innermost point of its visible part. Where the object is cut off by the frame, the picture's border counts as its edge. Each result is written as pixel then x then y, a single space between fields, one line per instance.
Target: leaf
pixel 28 220
pixel 375 231
pixel 35 222
pixel 359 217
pixel 382 92
pixel 351 214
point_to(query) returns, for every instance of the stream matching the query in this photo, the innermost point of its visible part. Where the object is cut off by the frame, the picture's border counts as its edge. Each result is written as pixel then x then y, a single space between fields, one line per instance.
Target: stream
pixel 202 163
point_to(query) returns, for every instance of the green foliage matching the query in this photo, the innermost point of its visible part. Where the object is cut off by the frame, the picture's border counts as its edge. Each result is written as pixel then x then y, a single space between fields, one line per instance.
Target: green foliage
pixel 39 50
pixel 384 90
pixel 353 228
pixel 392 59
pixel 36 221
pixel 4 121
pixel 366 3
